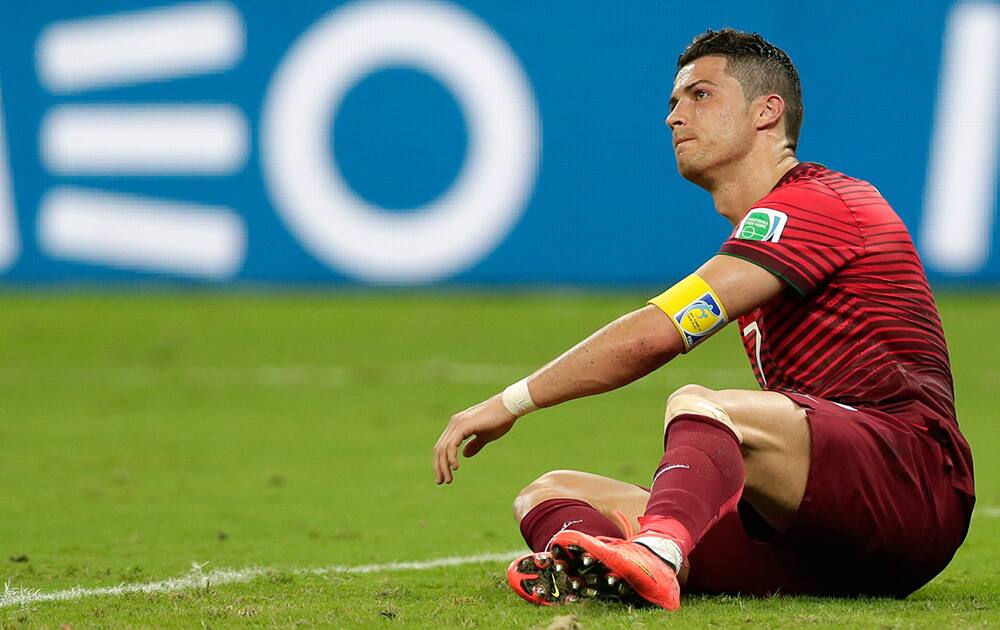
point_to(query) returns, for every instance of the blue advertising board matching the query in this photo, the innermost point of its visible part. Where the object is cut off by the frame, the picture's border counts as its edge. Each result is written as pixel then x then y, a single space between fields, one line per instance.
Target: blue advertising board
pixel 410 142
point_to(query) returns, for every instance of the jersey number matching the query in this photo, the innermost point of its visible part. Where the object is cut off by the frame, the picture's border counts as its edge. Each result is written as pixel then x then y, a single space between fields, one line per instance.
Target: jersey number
pixel 752 327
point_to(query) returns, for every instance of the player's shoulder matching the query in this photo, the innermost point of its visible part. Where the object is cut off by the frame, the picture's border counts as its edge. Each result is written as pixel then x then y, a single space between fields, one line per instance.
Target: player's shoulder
pixel 824 187
pixel 811 197
pixel 819 192
pixel 819 186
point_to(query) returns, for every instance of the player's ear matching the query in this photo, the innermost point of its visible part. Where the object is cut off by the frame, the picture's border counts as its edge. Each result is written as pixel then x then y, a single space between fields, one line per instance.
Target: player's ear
pixel 769 109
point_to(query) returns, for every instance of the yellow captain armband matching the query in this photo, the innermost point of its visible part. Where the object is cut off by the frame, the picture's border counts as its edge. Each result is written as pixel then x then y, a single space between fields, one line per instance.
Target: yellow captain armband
pixel 694 308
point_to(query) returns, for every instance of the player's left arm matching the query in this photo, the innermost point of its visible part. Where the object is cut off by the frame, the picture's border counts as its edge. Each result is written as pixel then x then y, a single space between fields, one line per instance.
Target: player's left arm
pixel 740 284
pixel 621 352
pixel 646 339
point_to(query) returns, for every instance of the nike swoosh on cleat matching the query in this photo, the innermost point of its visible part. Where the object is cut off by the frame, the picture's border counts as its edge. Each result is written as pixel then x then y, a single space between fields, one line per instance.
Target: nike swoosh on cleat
pixel 642 566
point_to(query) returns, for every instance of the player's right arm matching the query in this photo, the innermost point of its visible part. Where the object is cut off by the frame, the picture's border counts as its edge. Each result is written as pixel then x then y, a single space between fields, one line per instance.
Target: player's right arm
pixel 621 352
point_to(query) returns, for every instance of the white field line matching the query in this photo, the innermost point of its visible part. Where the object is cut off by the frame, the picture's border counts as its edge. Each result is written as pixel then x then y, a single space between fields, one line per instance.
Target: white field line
pixel 491 374
pixel 197 578
pixel 472 373
pixel 207 376
pixel 289 375
pixel 990 377
pixel 298 375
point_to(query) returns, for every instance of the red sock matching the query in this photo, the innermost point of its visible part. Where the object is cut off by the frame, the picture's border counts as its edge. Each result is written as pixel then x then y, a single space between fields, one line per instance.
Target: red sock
pixel 699 480
pixel 548 518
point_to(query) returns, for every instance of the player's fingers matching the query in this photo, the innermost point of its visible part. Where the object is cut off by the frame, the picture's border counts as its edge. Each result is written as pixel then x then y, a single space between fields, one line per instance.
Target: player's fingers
pixel 448 476
pixel 441 468
pixel 434 459
pixel 452 451
pixel 440 465
pixel 445 462
pixel 438 476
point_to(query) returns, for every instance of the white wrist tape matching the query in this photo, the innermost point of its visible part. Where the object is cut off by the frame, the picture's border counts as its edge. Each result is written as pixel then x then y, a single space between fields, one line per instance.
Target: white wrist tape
pixel 517 399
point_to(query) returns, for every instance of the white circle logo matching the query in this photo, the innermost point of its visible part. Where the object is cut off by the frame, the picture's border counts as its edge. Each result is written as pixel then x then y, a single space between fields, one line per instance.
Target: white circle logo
pixel 465 222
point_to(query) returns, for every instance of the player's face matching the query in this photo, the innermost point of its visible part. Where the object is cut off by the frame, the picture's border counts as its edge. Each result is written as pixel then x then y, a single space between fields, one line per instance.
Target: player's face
pixel 709 118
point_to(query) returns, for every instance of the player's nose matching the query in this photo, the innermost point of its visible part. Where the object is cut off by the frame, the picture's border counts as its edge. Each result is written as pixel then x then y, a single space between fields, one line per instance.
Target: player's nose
pixel 675 117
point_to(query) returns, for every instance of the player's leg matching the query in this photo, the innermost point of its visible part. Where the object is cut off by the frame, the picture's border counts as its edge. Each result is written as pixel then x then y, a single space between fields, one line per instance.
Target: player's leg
pixel 775 452
pixel 773 436
pixel 586 500
pixel 718 445
pixel 570 499
pixel 881 514
pixel 841 501
pixel 564 499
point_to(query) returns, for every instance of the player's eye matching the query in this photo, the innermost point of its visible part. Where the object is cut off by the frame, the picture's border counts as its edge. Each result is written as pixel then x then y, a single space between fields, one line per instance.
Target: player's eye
pixel 700 94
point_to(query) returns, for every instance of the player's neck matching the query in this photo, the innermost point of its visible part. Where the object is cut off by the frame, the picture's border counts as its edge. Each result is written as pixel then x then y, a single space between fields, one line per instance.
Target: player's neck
pixel 747 183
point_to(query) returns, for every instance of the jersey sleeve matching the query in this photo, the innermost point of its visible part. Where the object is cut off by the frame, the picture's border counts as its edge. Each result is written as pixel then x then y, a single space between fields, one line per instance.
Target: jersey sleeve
pixel 803 234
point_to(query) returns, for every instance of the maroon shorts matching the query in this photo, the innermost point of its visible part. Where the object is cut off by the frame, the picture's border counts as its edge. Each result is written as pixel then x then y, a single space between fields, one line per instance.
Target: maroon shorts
pixel 880 516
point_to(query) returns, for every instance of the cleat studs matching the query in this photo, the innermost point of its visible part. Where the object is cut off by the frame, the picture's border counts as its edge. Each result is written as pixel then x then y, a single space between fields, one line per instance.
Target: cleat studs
pixel 590 592
pixel 525 565
pixel 542 561
pixel 591 579
pixel 540 591
pixel 612 580
pixel 558 552
pixel 575 584
pixel 559 566
pixel 586 559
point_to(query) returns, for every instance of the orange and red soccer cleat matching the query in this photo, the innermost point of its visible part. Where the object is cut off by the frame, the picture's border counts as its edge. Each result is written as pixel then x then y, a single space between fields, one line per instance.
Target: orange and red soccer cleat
pixel 543 580
pixel 580 566
pixel 626 570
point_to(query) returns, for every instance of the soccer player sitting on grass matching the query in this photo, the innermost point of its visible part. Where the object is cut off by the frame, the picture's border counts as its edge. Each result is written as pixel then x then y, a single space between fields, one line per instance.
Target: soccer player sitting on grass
pixel 847 475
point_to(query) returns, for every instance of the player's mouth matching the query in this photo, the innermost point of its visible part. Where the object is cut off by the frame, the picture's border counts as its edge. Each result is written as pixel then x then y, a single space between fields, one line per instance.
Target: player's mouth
pixel 679 141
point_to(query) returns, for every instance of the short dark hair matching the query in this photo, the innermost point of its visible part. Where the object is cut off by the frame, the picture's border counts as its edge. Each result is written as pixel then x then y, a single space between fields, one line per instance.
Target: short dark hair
pixel 759 66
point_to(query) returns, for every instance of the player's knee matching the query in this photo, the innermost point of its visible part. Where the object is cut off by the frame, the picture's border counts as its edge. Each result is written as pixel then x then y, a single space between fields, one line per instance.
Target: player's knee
pixel 555 484
pixel 679 399
pixel 700 401
pixel 691 389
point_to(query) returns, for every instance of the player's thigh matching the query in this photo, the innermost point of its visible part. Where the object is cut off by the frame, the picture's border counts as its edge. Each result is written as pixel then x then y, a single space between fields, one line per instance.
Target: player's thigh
pixel 775 442
pixel 880 497
pixel 879 515
pixel 603 493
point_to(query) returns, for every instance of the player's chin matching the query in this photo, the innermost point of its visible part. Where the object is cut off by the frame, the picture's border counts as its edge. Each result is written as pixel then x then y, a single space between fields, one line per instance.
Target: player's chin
pixel 689 169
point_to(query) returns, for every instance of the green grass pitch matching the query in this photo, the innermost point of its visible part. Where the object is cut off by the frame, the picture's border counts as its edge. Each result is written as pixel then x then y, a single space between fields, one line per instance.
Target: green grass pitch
pixel 290 432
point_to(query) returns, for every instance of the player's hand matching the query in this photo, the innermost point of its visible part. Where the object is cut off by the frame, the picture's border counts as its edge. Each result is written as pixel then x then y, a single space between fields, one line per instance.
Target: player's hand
pixel 484 422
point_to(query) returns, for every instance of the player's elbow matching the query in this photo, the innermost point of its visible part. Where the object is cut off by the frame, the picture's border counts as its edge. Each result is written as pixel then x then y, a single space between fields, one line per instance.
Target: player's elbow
pixel 643 353
pixel 656 337
pixel 654 351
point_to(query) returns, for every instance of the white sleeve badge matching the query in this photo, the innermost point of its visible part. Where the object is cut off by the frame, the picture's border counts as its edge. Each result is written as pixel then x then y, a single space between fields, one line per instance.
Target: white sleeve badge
pixel 762 224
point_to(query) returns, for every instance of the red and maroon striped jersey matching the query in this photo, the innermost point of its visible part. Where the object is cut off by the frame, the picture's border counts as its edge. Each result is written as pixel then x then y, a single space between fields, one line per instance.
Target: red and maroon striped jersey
pixel 859 325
